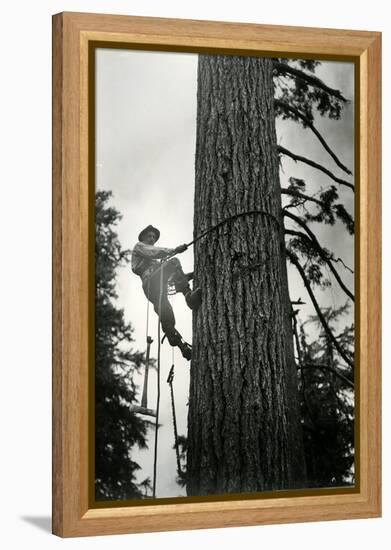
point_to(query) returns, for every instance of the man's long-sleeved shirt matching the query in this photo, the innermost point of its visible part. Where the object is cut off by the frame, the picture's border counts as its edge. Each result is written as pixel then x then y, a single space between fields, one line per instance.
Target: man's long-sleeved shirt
pixel 145 257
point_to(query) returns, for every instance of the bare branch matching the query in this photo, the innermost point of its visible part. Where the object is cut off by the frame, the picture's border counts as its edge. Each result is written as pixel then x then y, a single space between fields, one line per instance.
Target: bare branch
pixel 283 68
pixel 330 258
pixel 336 260
pixel 285 106
pixel 321 317
pixel 298 302
pixel 314 165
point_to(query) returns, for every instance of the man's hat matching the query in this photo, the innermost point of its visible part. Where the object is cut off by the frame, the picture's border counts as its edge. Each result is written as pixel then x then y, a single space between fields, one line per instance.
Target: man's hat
pixel 149 228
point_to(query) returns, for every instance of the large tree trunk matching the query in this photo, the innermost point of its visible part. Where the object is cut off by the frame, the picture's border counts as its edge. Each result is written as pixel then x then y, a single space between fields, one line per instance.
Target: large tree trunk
pixel 244 432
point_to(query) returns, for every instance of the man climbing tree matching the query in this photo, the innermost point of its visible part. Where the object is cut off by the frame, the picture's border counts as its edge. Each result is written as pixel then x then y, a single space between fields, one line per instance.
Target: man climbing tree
pixel 244 426
pixel 157 275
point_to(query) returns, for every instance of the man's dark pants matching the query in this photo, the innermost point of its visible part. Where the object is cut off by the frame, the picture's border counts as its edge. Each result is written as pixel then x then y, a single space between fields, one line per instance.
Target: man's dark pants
pixel 158 281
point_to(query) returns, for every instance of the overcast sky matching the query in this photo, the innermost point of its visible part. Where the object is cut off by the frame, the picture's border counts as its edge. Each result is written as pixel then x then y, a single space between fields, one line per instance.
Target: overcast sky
pixel 145 147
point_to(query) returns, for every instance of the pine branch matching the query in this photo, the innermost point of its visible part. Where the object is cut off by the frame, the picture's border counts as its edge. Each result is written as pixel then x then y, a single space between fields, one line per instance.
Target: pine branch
pixel 331 259
pixel 305 237
pixel 299 195
pixel 334 371
pixel 321 251
pixel 314 165
pixel 327 208
pixel 286 107
pixel 321 317
pixel 283 68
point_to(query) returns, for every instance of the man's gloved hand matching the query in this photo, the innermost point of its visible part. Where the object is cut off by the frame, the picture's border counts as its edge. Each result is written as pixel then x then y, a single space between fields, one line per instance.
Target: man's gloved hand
pixel 180 248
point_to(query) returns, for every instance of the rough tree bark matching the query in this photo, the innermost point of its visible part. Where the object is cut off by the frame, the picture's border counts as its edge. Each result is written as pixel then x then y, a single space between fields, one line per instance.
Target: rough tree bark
pixel 244 431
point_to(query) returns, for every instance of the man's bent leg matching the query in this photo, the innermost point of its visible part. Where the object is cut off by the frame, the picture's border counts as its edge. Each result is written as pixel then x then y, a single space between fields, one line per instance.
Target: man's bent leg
pixel 177 276
pixel 181 282
pixel 167 320
pixel 158 297
pixel 166 315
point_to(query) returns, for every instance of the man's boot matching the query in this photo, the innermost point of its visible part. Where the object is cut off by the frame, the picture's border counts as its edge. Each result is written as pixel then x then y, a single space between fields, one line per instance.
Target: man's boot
pixel 185 349
pixel 193 298
pixel 175 339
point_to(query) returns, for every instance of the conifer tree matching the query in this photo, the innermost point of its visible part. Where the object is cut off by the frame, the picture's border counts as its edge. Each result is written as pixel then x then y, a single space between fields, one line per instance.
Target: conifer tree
pixel 327 402
pixel 117 428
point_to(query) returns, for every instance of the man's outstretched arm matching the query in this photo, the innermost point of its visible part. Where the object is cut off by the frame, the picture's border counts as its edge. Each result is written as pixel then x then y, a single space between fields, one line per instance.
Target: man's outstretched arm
pixel 150 251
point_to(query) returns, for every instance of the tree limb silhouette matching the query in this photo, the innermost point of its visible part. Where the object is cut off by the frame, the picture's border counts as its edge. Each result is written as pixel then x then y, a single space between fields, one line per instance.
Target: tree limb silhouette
pixel 324 255
pixel 322 319
pixel 311 237
pixel 283 68
pixel 310 162
pixel 299 195
pixel 286 107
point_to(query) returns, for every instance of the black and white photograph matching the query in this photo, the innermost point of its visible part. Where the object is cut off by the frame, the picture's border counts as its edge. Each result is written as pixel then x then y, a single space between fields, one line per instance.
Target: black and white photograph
pixel 224 275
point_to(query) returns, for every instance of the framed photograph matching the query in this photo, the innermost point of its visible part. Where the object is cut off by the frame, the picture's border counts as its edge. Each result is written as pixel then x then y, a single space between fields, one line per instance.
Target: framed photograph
pixel 216 274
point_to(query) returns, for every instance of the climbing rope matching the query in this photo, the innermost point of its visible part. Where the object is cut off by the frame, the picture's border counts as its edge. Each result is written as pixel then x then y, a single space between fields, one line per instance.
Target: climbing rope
pixel 158 386
pixel 144 398
pixel 147 327
pixel 231 219
pixel 170 380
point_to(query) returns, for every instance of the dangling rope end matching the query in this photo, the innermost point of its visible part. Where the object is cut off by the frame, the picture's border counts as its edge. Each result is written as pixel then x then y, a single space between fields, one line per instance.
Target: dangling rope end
pixel 170 377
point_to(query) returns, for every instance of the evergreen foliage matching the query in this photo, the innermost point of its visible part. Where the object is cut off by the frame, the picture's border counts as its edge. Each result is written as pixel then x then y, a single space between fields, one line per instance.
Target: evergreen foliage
pixel 327 404
pixel 182 447
pixel 117 428
pixel 326 362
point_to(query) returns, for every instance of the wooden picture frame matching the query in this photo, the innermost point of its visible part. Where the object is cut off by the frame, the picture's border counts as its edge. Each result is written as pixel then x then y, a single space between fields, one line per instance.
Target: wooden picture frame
pixel 73 35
